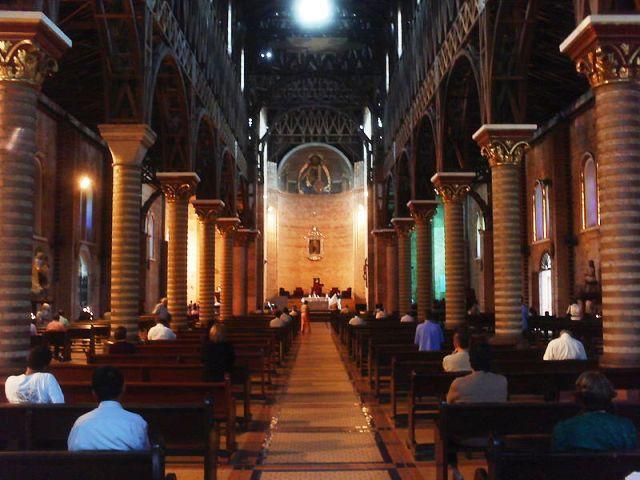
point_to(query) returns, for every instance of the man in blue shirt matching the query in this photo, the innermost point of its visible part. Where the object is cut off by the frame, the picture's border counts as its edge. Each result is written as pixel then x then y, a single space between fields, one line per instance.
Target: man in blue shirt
pixel 429 335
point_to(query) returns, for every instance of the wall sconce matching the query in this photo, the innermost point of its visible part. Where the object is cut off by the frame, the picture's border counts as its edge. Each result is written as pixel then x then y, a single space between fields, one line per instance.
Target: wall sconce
pixel 85 183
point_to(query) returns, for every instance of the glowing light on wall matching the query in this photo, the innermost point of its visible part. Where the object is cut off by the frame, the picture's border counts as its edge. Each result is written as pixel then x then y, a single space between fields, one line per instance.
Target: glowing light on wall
pixel 313 13
pixel 362 214
pixel 85 183
pixel 271 218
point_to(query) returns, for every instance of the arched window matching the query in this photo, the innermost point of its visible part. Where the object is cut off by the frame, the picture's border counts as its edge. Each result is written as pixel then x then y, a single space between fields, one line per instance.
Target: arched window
pixel 545 285
pixel 590 194
pixel 541 211
pixel 86 209
pixel 150 230
pixel 83 281
pixel 480 226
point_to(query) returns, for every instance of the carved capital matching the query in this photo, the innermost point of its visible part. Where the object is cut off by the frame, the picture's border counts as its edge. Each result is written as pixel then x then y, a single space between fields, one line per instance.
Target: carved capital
pixel 228 225
pixel 606 48
pixel 30 44
pixel 178 186
pixel 453 187
pixel 386 235
pixel 208 210
pixel 403 226
pixel 504 144
pixel 243 236
pixel 422 211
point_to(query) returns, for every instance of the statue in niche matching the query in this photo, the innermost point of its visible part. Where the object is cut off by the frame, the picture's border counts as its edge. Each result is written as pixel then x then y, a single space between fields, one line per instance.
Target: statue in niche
pixel 40 276
pixel 315 241
pixel 314 177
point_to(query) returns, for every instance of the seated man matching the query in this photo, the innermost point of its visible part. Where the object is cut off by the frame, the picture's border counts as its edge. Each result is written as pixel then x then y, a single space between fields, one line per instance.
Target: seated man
pixel 458 361
pixel 480 386
pixel 595 429
pixel 35 385
pixel 286 317
pixel 294 312
pixel 429 335
pixel 408 318
pixel 121 346
pixel 108 427
pixel 575 310
pixel 380 313
pixel 161 331
pixel 56 325
pixel 357 320
pixel 161 310
pixel 565 347
pixel 277 321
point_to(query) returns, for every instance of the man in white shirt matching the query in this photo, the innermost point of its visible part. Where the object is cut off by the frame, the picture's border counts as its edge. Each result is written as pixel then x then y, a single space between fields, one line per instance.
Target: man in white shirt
pixel 408 318
pixel 575 310
pixel 160 332
pixel 277 321
pixel 565 347
pixel 35 385
pixel 108 427
pixel 357 320
pixel 458 361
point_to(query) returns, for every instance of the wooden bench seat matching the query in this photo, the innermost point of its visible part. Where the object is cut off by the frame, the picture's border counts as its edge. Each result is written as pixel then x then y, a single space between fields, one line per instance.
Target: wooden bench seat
pixel 174 393
pixel 64 465
pixel 504 464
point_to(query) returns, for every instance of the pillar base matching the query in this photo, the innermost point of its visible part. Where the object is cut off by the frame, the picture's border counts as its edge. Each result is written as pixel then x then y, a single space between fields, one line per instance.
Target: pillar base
pixel 516 341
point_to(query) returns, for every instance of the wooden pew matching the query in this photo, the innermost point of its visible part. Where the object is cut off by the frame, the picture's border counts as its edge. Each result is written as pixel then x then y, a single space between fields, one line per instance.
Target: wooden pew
pixel 183 429
pixel 535 465
pixel 159 373
pixel 64 465
pixel 174 393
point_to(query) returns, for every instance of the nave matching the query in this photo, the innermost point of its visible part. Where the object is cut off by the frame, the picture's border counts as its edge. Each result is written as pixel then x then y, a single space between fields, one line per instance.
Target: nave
pixel 319 428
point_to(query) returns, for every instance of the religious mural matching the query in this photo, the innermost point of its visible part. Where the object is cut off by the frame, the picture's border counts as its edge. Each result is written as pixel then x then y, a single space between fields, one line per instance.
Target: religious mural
pixel 314 177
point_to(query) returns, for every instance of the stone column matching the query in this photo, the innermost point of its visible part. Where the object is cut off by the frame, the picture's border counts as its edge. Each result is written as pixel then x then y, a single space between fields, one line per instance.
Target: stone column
pixel 178 187
pixel 422 212
pixel 227 227
pixel 453 188
pixel 504 146
pixel 403 228
pixel 605 49
pixel 30 44
pixel 128 145
pixel 207 212
pixel 379 279
pixel 251 300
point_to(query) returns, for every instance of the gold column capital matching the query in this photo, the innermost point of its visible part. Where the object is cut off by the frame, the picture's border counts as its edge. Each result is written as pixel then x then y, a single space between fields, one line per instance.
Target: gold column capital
pixel 605 48
pixel 30 45
pixel 453 186
pixel 504 144
pixel 403 226
pixel 228 225
pixel 422 211
pixel 208 210
pixel 178 186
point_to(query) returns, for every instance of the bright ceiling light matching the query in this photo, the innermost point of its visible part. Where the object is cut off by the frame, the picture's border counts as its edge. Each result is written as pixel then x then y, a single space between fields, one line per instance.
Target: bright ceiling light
pixel 313 13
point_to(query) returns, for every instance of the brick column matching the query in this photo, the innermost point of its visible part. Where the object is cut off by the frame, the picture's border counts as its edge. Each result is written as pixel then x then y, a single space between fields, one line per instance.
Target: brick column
pixel 422 212
pixel 504 147
pixel 240 264
pixel 251 299
pixel 227 227
pixel 453 188
pixel 403 228
pixel 605 49
pixel 207 212
pixel 387 237
pixel 379 278
pixel 31 43
pixel 178 187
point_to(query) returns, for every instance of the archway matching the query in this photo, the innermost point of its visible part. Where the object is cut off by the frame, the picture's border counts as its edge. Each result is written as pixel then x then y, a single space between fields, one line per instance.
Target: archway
pixel 228 184
pixel 426 165
pixel 205 158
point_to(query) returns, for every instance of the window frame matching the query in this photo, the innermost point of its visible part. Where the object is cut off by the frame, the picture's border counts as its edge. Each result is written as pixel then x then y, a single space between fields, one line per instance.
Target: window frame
pixel 588 157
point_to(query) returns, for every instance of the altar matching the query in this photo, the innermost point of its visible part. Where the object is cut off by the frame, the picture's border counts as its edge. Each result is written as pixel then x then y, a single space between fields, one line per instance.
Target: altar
pixel 317 304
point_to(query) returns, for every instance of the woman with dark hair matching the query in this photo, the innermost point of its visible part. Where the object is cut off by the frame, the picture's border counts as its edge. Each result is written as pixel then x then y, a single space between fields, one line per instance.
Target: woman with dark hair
pixel 595 429
pixel 218 355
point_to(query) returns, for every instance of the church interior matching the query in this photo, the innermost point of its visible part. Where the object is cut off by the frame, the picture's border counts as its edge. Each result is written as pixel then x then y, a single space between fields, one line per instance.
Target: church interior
pixel 320 239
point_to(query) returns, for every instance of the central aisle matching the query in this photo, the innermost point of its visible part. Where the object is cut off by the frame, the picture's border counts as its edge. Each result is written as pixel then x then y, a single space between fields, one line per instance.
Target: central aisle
pixel 319 428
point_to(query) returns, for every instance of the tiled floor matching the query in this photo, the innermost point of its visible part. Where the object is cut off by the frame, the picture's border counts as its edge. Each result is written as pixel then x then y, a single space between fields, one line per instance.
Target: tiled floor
pixel 319 429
